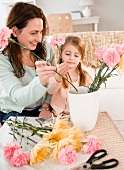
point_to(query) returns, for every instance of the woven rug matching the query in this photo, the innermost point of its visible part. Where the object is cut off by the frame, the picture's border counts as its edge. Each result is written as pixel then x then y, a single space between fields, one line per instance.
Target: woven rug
pixel 111 137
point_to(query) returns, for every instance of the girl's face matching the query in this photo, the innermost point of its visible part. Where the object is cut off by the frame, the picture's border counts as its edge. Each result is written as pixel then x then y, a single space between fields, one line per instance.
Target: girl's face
pixel 30 35
pixel 71 55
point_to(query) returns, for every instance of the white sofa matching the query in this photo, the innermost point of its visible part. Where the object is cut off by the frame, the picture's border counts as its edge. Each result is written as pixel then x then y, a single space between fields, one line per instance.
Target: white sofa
pixel 111 97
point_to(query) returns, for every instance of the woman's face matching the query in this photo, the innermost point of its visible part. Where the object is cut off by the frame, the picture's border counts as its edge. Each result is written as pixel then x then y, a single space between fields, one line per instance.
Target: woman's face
pixel 30 35
pixel 71 55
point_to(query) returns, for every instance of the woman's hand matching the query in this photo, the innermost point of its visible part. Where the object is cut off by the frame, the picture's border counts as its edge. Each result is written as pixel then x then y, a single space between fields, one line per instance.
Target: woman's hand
pixel 44 71
pixel 61 69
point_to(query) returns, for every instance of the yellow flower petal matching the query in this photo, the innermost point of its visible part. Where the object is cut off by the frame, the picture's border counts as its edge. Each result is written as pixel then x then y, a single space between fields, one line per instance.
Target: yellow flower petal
pixel 61 124
pixel 39 152
pixel 52 142
pixel 121 63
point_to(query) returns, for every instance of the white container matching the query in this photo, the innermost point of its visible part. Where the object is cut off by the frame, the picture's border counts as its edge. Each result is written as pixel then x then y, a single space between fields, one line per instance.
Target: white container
pixel 84 108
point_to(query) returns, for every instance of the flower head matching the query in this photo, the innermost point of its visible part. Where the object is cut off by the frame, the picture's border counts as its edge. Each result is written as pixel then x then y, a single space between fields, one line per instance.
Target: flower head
pixel 10 148
pixel 20 158
pixel 92 144
pixel 57 41
pixel 99 51
pixel 67 155
pixel 4 35
pixel 111 57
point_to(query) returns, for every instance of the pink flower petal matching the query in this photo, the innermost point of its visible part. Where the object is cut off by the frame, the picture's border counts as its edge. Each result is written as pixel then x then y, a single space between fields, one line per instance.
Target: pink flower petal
pixel 67 155
pixel 111 57
pixel 10 148
pixel 20 158
pixel 92 144
pixel 5 33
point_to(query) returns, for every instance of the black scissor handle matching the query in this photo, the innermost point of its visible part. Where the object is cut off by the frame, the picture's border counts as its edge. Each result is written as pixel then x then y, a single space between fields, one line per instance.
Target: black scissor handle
pixel 97 155
pixel 110 163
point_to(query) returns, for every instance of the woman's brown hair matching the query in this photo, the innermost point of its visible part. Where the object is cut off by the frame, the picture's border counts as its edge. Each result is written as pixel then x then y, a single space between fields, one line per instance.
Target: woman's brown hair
pixel 19 16
pixel 78 43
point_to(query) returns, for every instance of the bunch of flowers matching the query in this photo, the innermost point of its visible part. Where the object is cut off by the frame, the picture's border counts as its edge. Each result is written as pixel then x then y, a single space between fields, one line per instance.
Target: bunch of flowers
pixel 63 143
pixel 59 140
pixel 111 58
pixel 13 150
pixel 14 153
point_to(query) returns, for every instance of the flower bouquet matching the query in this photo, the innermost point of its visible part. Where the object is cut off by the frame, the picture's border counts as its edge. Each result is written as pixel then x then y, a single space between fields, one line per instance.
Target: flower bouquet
pixel 111 58
pixel 59 141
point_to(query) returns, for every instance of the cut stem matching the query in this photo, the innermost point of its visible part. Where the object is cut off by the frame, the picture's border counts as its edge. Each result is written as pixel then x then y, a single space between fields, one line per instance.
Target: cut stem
pixel 66 80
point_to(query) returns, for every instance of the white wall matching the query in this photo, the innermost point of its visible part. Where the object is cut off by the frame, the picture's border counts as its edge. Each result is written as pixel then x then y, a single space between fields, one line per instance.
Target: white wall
pixel 111 12
pixel 5 7
pixel 58 6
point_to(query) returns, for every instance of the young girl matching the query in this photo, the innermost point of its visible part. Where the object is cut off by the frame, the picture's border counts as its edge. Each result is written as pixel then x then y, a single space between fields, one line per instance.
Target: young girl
pixel 23 79
pixel 72 54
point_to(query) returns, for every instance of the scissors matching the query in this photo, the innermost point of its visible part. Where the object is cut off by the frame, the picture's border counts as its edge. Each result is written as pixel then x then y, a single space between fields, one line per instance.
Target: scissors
pixel 107 164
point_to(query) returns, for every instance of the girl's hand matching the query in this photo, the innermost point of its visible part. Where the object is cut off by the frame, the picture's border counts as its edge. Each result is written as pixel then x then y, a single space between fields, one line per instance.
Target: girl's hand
pixel 61 69
pixel 44 71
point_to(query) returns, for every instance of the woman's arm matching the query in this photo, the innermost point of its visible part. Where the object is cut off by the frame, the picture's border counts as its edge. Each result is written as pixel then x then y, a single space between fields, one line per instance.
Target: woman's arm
pixel 23 91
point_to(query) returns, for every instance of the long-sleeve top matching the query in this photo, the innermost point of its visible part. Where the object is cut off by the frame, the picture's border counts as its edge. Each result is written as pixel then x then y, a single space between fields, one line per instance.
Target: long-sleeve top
pixel 59 100
pixel 20 93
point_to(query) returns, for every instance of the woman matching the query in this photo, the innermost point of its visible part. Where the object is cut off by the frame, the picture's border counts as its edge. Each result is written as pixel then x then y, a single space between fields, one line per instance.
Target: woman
pixel 23 79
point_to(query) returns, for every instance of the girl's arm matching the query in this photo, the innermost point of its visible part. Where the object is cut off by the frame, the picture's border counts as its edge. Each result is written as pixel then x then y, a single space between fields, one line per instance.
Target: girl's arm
pixel 55 82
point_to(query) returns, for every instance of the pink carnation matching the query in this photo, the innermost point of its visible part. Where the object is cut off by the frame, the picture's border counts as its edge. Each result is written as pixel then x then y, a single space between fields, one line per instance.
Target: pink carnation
pixel 57 41
pixel 116 46
pixel 10 148
pixel 92 144
pixel 99 51
pixel 111 57
pixel 20 158
pixel 4 35
pixel 67 155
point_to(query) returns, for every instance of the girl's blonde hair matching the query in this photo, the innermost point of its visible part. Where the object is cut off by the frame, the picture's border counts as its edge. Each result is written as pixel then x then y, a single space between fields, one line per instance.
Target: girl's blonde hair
pixel 78 43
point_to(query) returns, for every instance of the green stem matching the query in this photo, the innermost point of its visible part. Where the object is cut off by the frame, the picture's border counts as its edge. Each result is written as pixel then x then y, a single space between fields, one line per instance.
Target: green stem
pixel 23 136
pixel 22 129
pixel 93 86
pixel 69 77
pixel 107 76
pixel 66 80
pixel 14 126
pixel 101 79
